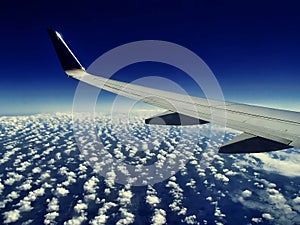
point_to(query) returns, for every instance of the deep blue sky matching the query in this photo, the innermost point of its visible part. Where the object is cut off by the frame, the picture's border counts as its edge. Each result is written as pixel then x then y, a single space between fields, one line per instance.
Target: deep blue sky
pixel 253 47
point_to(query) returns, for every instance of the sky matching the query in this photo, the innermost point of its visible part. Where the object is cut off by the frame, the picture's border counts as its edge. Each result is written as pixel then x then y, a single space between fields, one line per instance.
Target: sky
pixel 252 47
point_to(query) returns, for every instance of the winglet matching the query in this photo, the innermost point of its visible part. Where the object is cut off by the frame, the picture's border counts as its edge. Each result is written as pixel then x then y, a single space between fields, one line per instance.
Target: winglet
pixel 65 55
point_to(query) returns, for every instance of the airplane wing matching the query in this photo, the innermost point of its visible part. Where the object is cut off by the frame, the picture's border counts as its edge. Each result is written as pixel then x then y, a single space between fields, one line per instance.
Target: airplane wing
pixel 264 129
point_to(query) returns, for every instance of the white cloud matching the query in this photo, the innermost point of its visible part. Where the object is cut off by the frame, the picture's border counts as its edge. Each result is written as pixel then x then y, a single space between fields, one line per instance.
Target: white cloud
pixel 221 177
pixel 80 206
pixel 36 170
pixel 152 200
pixel 50 217
pixel 256 220
pixel 13 195
pixel 82 168
pixel 229 172
pixel 76 220
pixel 182 211
pixel 9 181
pixel 287 164
pixel 191 183
pixel 125 196
pixel 90 186
pixel 246 193
pixel 127 217
pixel 209 198
pixel 53 205
pixel 267 216
pixel 11 216
pixel 190 219
pixel 297 200
pixel 99 220
pixel 218 212
pixel 159 217
pixel 61 191
pixel 1 187
pixel 26 185
pixel 273 203
pixel 25 206
pixel 110 178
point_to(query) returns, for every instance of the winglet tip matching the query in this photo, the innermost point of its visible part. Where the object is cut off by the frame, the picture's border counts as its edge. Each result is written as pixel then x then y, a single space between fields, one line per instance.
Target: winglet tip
pixel 65 55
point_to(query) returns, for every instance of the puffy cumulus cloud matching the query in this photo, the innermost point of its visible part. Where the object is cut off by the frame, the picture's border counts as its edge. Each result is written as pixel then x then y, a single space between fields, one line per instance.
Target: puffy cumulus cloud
pixel 110 178
pixel 61 191
pixel 152 200
pixel 76 220
pixel 151 197
pixel 125 196
pixel 33 195
pixel 221 177
pixel 9 181
pixel 228 172
pixel 190 219
pixel 25 203
pixel 209 198
pixel 99 220
pixel 50 217
pixel 13 195
pixel 219 223
pixel 256 220
pixel 182 211
pixel 267 216
pixel 25 206
pixel 191 183
pixel 71 178
pixel 159 217
pixel 90 186
pixel 218 212
pixel 80 207
pixel 1 187
pixel 177 192
pixel 10 151
pixel 53 204
pixel 45 175
pixel 36 170
pixel 82 168
pixel 26 185
pixel 127 217
pixel 246 193
pixel 11 216
pixel 297 200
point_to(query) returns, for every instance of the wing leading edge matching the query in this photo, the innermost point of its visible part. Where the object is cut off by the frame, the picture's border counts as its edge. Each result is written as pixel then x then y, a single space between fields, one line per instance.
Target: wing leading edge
pixel 265 129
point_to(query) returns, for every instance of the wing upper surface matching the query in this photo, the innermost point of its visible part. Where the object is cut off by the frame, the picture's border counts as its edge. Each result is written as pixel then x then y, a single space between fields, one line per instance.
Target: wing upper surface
pixel 278 125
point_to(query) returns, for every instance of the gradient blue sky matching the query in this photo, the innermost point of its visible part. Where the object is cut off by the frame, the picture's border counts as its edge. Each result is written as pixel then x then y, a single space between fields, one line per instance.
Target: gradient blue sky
pixel 253 47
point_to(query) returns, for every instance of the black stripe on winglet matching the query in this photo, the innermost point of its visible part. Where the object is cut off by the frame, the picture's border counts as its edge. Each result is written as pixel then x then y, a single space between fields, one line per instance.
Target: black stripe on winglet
pixel 65 55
